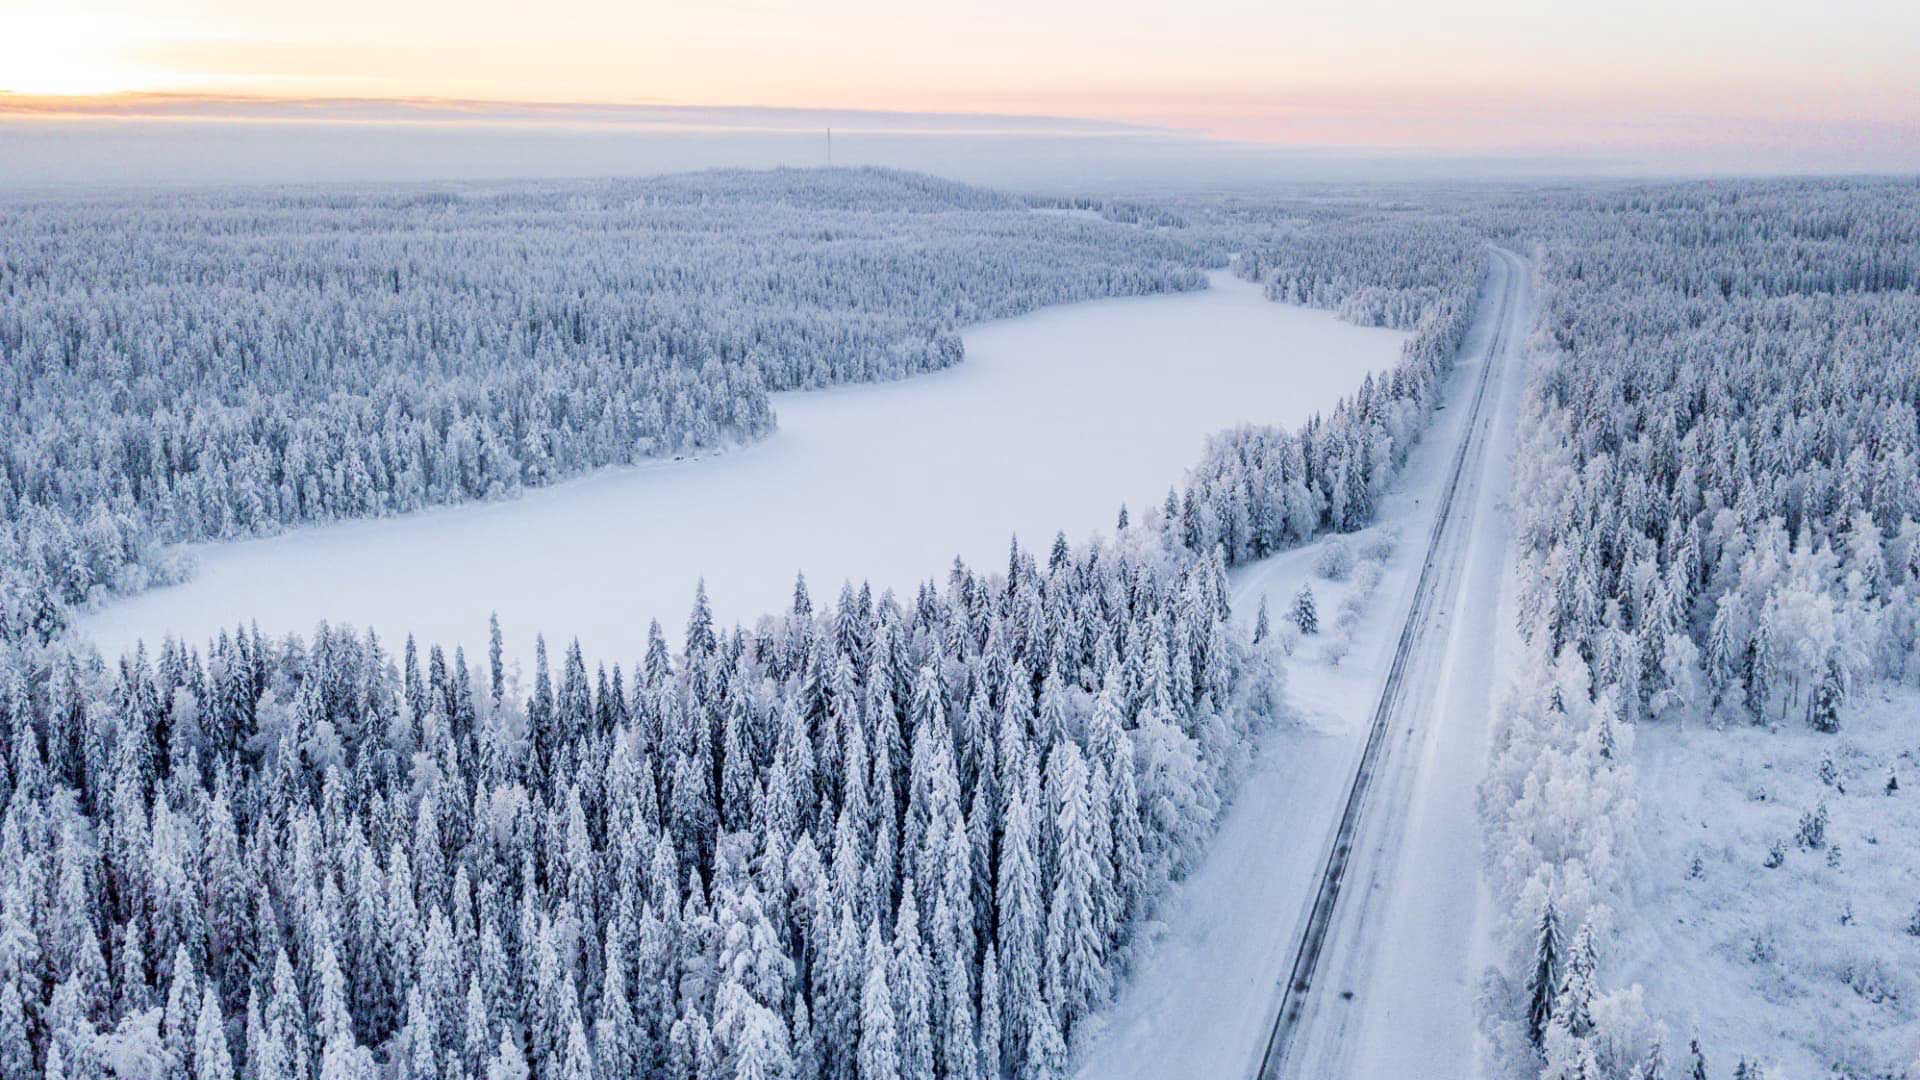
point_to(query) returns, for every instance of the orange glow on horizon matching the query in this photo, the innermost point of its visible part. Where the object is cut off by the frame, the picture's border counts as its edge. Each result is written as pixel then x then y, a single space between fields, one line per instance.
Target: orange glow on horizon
pixel 1370 73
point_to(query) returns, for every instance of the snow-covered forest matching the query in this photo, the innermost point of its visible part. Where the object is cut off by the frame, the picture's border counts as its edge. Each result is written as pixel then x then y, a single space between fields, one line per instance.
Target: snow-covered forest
pixel 1718 490
pixel 919 835
pixel 882 837
pixel 222 364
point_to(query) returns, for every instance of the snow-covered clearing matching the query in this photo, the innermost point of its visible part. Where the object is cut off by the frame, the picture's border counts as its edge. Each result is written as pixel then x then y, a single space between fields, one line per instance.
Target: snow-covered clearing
pixel 1809 965
pixel 1053 420
pixel 1206 983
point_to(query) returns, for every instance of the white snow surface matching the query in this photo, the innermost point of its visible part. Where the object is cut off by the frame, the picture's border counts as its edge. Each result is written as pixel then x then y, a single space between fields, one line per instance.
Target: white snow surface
pixel 1051 422
pixel 1809 966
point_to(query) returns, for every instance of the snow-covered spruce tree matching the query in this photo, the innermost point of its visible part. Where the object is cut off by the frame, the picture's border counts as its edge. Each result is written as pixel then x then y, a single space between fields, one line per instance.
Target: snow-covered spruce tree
pixel 1544 980
pixel 1306 614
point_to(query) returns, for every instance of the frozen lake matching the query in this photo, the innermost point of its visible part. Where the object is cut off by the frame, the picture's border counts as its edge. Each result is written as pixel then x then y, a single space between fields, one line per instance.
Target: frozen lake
pixel 1052 421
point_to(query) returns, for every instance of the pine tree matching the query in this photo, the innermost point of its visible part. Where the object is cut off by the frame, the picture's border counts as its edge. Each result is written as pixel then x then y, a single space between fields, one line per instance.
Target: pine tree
pixel 1823 711
pixel 1655 1066
pixel 992 1057
pixel 496 670
pixel 1075 963
pixel 1047 1056
pixel 16 1052
pixel 1573 1009
pixel 181 1018
pixel 1020 915
pixel 1698 1070
pixel 1260 622
pixel 763 1052
pixel 912 990
pixel 508 1062
pixel 615 1047
pixel 1304 614
pixel 879 1044
pixel 1543 982
pixel 576 1062
pixel 211 1058
pixel 700 636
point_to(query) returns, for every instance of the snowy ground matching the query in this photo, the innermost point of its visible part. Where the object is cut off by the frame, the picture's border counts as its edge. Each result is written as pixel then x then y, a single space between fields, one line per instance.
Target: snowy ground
pixel 1808 966
pixel 1053 421
pixel 1203 993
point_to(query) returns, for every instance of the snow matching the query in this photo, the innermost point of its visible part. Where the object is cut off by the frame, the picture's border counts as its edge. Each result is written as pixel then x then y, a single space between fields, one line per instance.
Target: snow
pixel 1053 420
pixel 1202 996
pixel 1431 942
pixel 1757 959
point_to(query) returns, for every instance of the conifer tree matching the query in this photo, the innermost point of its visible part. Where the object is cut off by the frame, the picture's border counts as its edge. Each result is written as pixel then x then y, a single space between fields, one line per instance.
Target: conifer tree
pixel 211 1058
pixel 508 1062
pixel 879 1042
pixel 1075 967
pixel 1573 1009
pixel 992 1055
pixel 1543 981
pixel 1305 616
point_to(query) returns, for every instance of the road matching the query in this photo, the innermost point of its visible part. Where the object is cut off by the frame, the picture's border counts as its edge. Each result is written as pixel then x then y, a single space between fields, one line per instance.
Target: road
pixel 1382 972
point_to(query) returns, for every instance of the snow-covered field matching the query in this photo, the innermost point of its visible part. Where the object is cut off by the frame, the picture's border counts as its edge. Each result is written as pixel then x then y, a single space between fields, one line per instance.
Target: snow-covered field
pixel 1053 420
pixel 1808 965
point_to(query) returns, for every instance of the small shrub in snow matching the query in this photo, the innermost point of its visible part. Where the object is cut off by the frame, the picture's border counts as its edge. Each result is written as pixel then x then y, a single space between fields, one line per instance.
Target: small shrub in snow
pixel 1812 834
pixel 1871 980
pixel 1369 575
pixel 1913 921
pixel 1289 638
pixel 1380 546
pixel 1829 775
pixel 1352 607
pixel 1335 560
pixel 1336 650
pixel 1776 855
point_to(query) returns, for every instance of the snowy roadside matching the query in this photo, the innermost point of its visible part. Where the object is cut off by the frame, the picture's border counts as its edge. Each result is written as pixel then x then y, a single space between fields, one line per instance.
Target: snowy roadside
pixel 1206 977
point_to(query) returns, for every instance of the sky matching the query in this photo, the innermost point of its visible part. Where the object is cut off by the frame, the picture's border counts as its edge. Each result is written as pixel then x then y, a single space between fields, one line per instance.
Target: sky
pixel 1831 87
